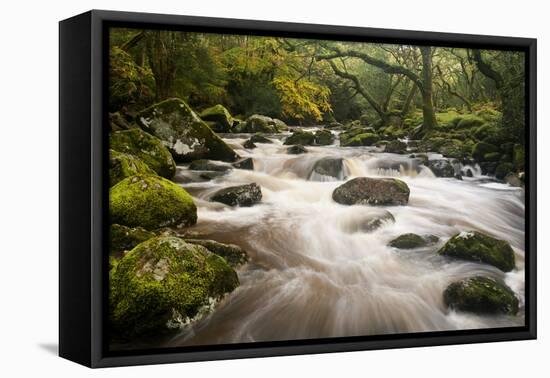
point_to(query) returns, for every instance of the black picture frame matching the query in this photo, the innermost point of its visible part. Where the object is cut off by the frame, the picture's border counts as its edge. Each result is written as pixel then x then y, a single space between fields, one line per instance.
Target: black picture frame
pixel 83 195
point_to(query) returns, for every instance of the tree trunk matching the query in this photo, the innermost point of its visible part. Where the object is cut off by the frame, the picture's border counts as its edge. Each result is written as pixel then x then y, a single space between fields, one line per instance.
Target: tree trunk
pixel 162 51
pixel 428 112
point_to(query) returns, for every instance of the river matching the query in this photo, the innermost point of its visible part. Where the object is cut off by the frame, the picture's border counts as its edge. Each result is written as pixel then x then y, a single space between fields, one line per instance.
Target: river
pixel 313 272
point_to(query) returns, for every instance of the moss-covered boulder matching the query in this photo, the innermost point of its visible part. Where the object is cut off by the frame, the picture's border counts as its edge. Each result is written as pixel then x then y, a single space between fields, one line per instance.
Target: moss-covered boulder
pixel 123 238
pixel 476 246
pixel 372 191
pixel 241 195
pixel 481 295
pixel 324 138
pixel 207 165
pixel 280 125
pixel 260 124
pixel 481 149
pixel 365 139
pixel 259 138
pixel 296 149
pixel 123 165
pixel 183 132
pixel 162 284
pixel 218 118
pixel 411 241
pixel 328 167
pixel 492 157
pixel 233 254
pixel 146 147
pixel 396 147
pixel 151 202
pixel 305 138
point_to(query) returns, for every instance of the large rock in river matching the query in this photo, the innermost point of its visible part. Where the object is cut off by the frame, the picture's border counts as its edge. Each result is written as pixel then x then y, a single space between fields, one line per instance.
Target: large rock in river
pixel 162 283
pixel 151 202
pixel 146 147
pixel 218 118
pixel 476 246
pixel 183 132
pixel 123 165
pixel 372 191
pixel 302 137
pixel 481 295
pixel 441 168
pixel 328 167
pixel 260 124
pixel 241 195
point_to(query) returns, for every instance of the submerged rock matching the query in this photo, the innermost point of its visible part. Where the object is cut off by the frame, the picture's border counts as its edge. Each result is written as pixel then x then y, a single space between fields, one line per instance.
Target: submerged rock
pixel 150 202
pixel 242 195
pixel 122 238
pixel 183 132
pixel 482 295
pixel 206 165
pixel 233 254
pixel 249 144
pixel 297 149
pixel 367 221
pixel 125 165
pixel 476 246
pixel 162 284
pixel 259 138
pixel 304 138
pixel 146 147
pixel 328 167
pixel 411 241
pixel 218 118
pixel 441 168
pixel 372 191
pixel 246 163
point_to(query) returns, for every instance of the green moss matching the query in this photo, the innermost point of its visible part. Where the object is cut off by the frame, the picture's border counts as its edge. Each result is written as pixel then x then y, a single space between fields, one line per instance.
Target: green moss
pixel 183 132
pixel 162 283
pixel 476 246
pixel 218 118
pixel 151 202
pixel 448 118
pixel 480 149
pixel 259 123
pixel 305 138
pixel 519 156
pixel 470 120
pixel 492 156
pixel 485 131
pixel 323 137
pixel 124 238
pixel 489 115
pixel 411 241
pixel 147 148
pixel 124 165
pixel 233 254
pixel 481 295
pixel 503 169
pixel 366 139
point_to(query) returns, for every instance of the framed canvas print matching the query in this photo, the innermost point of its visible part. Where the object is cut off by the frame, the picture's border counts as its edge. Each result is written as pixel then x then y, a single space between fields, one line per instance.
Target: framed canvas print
pixel 234 188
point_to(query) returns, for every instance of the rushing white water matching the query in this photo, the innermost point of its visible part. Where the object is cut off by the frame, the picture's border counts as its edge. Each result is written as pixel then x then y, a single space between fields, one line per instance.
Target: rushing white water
pixel 314 273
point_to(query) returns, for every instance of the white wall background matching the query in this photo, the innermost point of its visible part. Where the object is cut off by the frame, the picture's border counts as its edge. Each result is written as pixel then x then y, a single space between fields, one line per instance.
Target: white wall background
pixel 29 186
